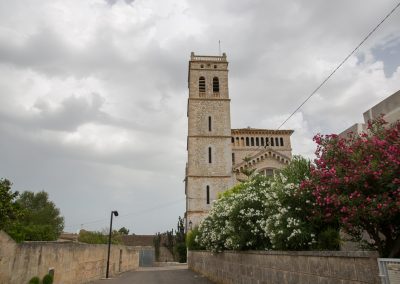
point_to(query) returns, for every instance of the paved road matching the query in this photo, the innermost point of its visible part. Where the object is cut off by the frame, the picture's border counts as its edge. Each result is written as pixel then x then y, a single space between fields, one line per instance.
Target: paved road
pixel 158 275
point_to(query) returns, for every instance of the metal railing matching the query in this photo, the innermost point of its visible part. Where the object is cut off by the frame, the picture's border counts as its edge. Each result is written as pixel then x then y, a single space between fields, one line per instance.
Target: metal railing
pixel 389 270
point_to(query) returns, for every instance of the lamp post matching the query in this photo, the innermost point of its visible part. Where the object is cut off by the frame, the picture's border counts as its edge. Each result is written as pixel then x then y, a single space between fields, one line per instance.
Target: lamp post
pixel 109 240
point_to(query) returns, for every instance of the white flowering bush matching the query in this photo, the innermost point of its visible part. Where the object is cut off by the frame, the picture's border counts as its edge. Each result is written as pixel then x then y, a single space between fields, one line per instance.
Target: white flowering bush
pixel 266 213
pixel 287 209
pixel 235 220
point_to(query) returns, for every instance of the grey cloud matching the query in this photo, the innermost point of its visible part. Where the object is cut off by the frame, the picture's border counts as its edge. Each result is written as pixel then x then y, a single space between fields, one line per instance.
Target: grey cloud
pixel 44 51
pixel 67 116
pixel 278 53
pixel 72 112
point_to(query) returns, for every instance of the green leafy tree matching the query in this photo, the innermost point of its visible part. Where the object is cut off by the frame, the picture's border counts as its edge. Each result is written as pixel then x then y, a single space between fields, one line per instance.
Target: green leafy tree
pixel 180 244
pixel 40 221
pixel 9 209
pixel 123 231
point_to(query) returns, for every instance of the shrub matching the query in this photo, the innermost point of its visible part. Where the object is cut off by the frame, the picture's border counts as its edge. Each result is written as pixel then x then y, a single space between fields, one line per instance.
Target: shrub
pixel 328 239
pixel 180 252
pixel 47 279
pixel 288 210
pixel 234 221
pixel 157 244
pixel 356 183
pixel 267 213
pixel 34 280
pixel 191 239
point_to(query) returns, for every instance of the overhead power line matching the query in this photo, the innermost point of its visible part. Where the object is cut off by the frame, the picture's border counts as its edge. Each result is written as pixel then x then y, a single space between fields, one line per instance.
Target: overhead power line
pixel 138 212
pixel 341 63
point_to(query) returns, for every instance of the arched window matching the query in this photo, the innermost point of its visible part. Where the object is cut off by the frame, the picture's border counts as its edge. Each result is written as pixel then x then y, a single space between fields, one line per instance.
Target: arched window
pixel 209 123
pixel 202 85
pixel 247 141
pixel 252 141
pixel 208 194
pixel 272 141
pixel 262 141
pixel 209 155
pixel 233 158
pixel 276 141
pixel 233 140
pixel 281 141
pixel 257 142
pixel 266 141
pixel 215 85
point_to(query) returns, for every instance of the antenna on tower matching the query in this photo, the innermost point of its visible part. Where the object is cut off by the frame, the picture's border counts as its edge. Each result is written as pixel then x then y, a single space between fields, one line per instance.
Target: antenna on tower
pixel 219 47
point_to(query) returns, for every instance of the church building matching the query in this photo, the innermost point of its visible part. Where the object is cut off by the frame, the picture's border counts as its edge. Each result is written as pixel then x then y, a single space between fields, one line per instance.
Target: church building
pixel 217 154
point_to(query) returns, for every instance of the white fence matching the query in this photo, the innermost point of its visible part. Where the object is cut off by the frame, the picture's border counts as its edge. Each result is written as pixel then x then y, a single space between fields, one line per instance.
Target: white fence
pixel 389 270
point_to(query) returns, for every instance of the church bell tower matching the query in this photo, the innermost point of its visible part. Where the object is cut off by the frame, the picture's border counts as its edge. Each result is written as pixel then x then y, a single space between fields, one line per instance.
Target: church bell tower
pixel 209 165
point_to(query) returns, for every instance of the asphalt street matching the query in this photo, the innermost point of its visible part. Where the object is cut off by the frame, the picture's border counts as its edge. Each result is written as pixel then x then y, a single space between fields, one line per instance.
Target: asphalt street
pixel 158 275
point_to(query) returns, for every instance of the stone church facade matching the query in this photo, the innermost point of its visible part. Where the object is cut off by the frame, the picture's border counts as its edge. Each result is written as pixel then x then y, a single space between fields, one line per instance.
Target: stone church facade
pixel 218 154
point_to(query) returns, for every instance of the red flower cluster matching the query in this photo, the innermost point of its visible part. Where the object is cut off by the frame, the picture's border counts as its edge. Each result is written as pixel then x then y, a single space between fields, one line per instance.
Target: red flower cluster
pixel 356 181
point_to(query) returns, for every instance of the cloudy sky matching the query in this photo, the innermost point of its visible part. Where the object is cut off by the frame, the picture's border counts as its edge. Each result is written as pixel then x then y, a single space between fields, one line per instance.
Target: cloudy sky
pixel 93 93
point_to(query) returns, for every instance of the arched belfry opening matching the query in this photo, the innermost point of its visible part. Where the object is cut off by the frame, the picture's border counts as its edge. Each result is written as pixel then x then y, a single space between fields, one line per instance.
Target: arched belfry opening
pixel 202 84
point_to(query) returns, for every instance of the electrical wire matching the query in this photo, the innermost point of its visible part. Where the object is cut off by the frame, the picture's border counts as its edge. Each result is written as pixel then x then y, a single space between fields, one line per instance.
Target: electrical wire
pixel 163 205
pixel 341 63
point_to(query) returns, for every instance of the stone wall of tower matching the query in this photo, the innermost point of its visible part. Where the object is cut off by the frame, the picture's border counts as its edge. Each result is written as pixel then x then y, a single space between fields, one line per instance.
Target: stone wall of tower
pixel 197 207
pixel 201 109
pixel 208 128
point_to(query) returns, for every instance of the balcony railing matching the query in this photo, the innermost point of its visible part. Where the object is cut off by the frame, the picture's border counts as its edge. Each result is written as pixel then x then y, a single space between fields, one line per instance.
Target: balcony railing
pixel 194 57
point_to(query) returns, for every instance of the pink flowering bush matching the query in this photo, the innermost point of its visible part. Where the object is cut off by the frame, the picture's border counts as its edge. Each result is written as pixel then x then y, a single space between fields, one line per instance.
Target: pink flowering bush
pixel 356 182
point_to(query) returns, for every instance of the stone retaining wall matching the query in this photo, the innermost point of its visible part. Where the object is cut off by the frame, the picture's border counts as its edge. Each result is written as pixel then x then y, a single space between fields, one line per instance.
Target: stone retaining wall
pixel 72 262
pixel 286 267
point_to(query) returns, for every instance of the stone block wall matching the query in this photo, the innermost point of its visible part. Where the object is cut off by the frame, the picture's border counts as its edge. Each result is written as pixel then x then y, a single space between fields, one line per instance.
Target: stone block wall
pixel 72 262
pixel 165 255
pixel 286 267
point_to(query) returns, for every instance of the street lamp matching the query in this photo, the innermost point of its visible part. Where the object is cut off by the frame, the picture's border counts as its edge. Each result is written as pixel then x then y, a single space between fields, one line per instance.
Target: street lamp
pixel 109 240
